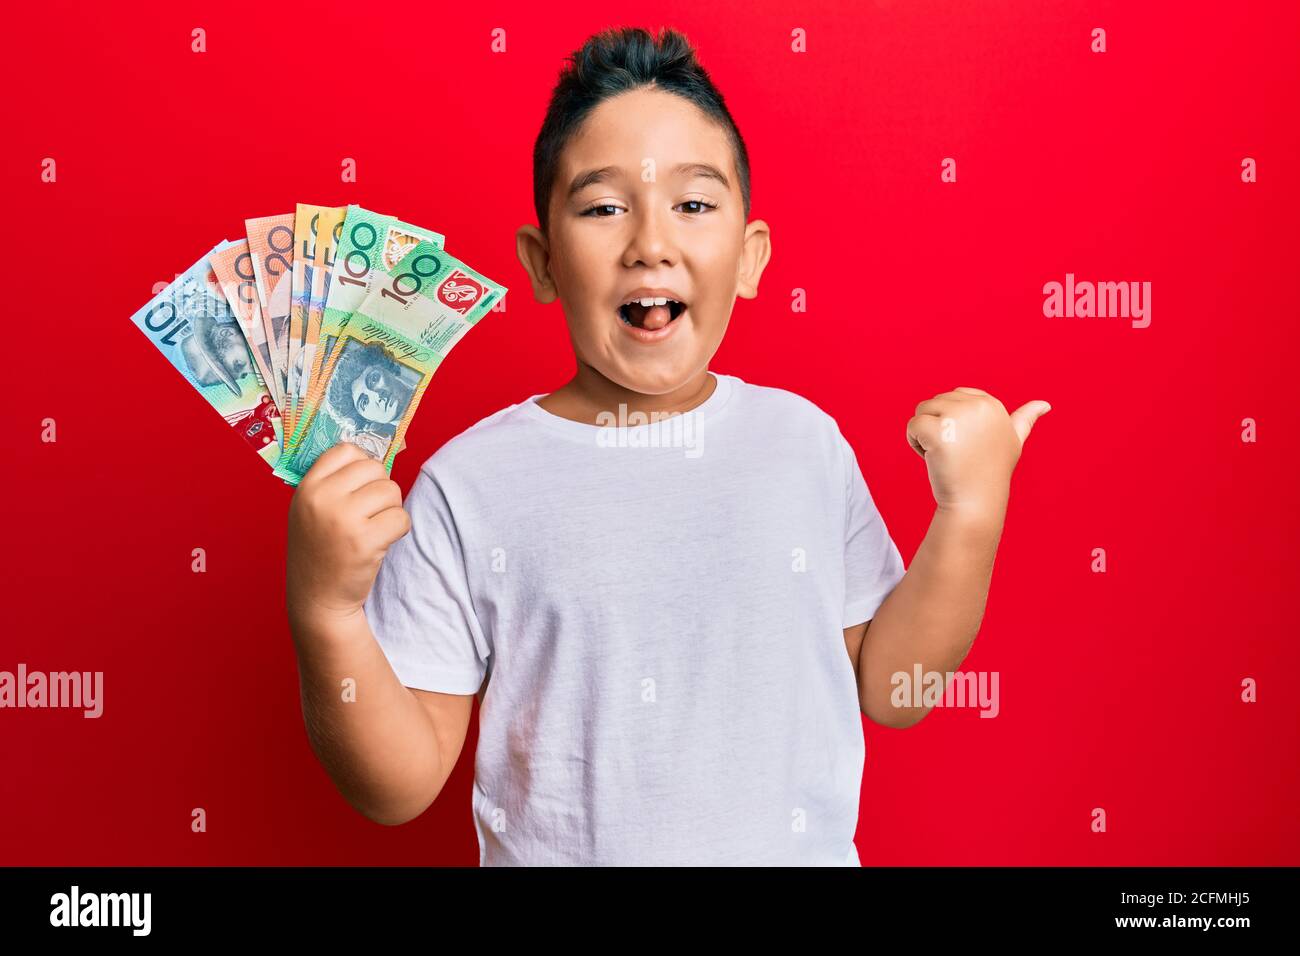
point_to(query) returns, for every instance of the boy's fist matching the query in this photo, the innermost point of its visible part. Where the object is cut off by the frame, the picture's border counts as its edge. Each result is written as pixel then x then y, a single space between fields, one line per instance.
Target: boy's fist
pixel 344 517
pixel 970 446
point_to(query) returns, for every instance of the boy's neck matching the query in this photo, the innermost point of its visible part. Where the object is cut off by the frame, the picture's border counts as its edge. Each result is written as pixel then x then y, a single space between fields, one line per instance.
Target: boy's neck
pixel 588 394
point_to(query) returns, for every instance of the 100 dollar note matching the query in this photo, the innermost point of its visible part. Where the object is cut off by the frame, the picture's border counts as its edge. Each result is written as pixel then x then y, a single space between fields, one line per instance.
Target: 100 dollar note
pixel 383 360
pixel 192 324
pixel 371 246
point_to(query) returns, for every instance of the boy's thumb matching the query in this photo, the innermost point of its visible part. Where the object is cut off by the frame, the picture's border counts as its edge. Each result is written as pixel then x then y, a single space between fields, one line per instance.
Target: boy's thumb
pixel 1023 418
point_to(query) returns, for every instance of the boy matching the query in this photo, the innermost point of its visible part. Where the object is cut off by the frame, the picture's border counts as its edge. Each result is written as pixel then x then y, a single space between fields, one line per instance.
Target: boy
pixel 675 625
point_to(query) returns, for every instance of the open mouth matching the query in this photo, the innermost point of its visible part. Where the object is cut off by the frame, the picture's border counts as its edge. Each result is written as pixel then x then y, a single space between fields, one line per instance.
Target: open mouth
pixel 650 314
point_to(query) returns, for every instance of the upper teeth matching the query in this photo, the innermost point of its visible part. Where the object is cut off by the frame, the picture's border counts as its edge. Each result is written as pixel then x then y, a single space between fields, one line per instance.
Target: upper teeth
pixel 649 302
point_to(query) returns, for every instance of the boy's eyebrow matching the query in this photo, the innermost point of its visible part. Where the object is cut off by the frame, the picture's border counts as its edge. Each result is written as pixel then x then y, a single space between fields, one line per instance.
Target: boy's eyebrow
pixel 590 177
pixel 702 169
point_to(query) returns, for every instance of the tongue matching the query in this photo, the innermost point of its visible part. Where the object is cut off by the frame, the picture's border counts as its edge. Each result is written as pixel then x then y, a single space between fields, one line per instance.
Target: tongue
pixel 656 317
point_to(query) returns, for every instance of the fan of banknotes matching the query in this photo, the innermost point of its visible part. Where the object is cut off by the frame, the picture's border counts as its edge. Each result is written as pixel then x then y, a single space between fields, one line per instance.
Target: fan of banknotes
pixel 323 325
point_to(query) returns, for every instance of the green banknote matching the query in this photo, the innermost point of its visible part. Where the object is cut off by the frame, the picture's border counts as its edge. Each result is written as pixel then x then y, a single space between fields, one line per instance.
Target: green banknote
pixel 383 358
pixel 370 246
pixel 192 324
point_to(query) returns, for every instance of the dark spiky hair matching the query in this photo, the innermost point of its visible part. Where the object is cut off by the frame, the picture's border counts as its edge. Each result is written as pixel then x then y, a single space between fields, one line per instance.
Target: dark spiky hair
pixel 612 62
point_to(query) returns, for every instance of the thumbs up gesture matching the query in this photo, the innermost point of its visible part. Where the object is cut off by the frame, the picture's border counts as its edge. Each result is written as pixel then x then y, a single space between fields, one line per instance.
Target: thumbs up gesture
pixel 971 445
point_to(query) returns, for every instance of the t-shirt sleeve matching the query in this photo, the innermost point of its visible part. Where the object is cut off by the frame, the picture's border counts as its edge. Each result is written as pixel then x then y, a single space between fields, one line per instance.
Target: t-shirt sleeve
pixel 420 609
pixel 872 563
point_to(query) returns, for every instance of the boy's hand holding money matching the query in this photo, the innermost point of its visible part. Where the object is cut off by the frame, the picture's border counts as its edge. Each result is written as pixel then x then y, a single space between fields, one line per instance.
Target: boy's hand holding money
pixel 344 517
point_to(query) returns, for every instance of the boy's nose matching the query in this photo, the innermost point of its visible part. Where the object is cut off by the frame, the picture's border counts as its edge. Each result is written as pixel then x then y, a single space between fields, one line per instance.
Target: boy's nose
pixel 651 236
pixel 651 241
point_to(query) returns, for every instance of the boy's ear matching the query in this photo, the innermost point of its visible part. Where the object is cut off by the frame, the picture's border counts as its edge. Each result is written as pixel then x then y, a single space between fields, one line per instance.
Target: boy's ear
pixel 754 254
pixel 535 256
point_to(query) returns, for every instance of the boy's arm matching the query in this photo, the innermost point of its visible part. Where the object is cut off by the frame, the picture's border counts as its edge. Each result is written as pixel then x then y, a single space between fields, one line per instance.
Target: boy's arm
pixel 388 749
pixel 932 615
pixel 971 446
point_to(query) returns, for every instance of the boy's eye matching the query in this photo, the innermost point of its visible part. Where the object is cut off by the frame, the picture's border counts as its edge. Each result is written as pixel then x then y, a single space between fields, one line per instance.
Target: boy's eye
pixel 702 204
pixel 699 202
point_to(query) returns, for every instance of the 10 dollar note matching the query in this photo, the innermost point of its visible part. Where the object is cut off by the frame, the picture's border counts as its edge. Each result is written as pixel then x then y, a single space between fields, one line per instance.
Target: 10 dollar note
pixel 192 324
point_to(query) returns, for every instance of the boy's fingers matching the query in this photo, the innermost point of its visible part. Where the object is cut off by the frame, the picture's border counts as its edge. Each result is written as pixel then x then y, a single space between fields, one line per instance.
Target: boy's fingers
pixel 376 496
pixel 964 390
pixel 356 473
pixel 923 433
pixel 334 459
pixel 935 406
pixel 390 524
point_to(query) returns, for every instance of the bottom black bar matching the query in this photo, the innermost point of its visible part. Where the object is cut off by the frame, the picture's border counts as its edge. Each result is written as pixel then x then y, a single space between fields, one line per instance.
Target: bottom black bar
pixel 217 904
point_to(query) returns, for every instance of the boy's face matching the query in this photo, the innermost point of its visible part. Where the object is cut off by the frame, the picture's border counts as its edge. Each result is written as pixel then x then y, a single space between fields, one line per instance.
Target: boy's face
pixel 634 207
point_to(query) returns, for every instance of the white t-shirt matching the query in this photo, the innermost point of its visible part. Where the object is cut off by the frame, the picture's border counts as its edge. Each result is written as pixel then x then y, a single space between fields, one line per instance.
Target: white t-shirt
pixel 659 610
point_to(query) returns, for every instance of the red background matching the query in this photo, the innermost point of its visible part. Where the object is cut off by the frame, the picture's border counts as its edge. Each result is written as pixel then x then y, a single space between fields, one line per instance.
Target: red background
pixel 1119 690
